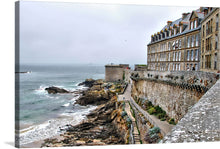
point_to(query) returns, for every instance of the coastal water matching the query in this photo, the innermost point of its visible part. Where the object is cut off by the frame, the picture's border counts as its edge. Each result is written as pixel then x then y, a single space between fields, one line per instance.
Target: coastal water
pixel 41 115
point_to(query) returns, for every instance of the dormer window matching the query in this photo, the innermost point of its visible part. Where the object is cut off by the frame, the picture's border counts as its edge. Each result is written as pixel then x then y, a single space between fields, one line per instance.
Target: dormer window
pixel 195 24
pixel 167 33
pixel 174 31
pixel 191 25
pixel 163 35
pixel 152 38
pixel 159 36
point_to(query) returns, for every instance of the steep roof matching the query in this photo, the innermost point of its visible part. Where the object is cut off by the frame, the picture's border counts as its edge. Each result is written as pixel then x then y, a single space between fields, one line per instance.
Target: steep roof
pixel 186 23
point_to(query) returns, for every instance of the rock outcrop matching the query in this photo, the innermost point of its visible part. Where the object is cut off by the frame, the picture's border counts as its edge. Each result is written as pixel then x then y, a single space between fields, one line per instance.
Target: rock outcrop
pixel 95 95
pixel 103 126
pixel 97 130
pixel 55 90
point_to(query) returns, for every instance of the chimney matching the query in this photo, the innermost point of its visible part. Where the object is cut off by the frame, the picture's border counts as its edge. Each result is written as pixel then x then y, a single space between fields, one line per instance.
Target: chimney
pixel 184 15
pixel 169 23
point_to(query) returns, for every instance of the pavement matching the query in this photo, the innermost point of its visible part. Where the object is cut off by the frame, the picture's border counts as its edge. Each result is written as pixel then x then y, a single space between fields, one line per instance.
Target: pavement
pixel 163 125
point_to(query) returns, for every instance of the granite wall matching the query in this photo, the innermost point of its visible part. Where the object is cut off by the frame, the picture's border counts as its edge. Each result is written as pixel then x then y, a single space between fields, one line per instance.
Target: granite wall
pixel 174 92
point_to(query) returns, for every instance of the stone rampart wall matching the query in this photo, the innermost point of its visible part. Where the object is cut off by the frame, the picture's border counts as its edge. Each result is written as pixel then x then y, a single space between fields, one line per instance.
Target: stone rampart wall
pixel 174 92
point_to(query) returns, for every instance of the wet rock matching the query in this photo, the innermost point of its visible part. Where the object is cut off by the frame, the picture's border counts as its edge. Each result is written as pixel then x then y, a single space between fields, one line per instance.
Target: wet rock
pixel 55 90
pixel 87 83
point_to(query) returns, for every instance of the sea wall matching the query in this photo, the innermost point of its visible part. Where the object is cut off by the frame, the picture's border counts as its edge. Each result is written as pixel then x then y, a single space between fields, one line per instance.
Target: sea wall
pixel 175 92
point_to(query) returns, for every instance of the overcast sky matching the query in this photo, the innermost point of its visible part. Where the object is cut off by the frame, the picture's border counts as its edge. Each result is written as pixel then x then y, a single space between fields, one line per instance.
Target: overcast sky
pixel 90 33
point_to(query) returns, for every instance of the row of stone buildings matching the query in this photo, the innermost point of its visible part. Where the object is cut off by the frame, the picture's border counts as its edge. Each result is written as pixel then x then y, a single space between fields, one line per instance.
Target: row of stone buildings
pixel 188 43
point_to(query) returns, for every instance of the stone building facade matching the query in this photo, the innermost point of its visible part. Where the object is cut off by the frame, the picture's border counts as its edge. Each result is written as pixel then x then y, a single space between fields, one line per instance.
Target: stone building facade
pixel 210 47
pixel 177 46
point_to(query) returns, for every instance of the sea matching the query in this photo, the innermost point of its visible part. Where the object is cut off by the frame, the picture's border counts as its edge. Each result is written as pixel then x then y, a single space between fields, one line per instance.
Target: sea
pixel 43 115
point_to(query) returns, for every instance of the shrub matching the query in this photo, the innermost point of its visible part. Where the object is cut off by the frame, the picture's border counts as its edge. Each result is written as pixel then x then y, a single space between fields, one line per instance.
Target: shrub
pixel 128 120
pixel 153 138
pixel 158 109
pixel 163 119
pixel 151 111
pixel 148 105
pixel 123 113
pixel 154 130
pixel 172 121
pixel 161 115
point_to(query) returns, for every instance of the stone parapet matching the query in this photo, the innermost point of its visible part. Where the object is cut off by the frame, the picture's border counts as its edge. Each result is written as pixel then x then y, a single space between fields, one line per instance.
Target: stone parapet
pixel 201 123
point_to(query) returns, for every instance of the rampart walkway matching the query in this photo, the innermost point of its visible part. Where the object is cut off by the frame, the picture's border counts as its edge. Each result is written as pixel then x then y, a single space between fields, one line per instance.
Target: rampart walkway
pixel 163 125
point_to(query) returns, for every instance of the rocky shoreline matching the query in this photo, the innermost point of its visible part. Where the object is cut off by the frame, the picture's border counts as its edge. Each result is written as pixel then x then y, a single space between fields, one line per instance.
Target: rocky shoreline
pixel 103 126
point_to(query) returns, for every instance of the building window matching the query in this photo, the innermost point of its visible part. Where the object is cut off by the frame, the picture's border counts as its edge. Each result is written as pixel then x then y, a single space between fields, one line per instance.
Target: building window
pixel 173 67
pixel 169 46
pixel 192 55
pixel 179 55
pixel 192 43
pixel 202 46
pixel 216 22
pixel 191 25
pixel 174 45
pixel 203 30
pixel 177 44
pixel 180 44
pixel 176 56
pixel 207 28
pixel 168 56
pixel 188 55
pixel 215 61
pixel 202 62
pixel 208 44
pixel 196 67
pixel 216 42
pixel 188 42
pixel 196 54
pixel 181 27
pixel 195 23
pixel 208 61
pixel 187 67
pixel 173 56
pixel 197 40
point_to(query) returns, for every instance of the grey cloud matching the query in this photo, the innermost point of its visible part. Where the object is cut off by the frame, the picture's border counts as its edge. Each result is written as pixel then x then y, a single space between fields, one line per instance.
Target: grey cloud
pixel 89 33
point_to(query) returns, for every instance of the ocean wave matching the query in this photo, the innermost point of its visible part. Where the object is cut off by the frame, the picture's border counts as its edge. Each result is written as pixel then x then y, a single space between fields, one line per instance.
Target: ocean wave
pixel 65 105
pixel 41 90
pixel 52 127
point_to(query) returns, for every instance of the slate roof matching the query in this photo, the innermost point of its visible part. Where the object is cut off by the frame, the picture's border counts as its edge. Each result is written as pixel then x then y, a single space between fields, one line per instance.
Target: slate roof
pixel 186 24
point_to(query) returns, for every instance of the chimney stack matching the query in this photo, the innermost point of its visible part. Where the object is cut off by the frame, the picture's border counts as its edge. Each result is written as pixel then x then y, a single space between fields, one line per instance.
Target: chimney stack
pixel 184 15
pixel 169 23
